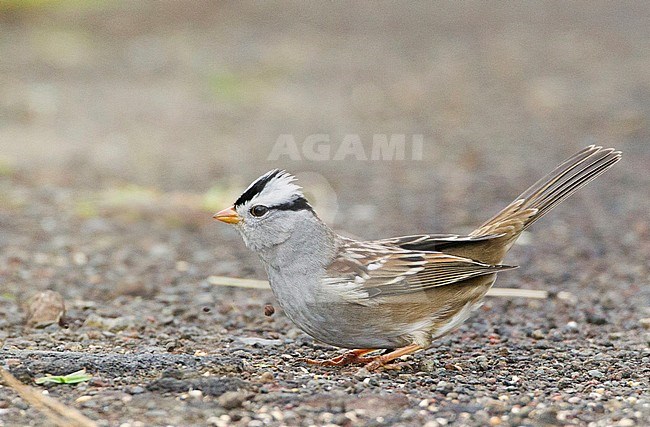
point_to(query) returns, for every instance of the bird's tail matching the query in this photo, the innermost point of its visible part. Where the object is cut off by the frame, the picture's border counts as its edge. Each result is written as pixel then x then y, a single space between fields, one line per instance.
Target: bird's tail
pixel 549 191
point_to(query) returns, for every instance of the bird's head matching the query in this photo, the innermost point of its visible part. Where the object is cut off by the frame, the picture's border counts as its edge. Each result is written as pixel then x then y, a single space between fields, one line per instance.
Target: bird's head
pixel 269 210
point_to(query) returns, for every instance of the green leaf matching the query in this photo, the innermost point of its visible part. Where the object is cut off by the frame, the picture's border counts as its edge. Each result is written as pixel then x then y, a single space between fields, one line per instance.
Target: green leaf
pixel 73 378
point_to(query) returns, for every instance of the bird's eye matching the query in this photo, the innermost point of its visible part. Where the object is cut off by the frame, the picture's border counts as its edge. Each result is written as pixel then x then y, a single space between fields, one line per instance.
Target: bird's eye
pixel 259 210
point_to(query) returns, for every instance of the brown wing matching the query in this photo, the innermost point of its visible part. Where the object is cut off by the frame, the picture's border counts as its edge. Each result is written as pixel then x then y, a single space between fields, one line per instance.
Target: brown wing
pixel 435 242
pixel 375 270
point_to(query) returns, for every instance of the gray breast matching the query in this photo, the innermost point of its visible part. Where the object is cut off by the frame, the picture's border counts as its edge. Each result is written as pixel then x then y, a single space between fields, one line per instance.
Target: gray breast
pixel 328 318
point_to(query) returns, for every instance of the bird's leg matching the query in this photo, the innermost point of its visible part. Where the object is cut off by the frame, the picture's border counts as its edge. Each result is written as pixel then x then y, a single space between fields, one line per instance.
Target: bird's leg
pixel 347 358
pixel 380 361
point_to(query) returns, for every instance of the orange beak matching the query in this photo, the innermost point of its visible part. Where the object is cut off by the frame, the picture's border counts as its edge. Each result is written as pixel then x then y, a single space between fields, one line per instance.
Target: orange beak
pixel 228 215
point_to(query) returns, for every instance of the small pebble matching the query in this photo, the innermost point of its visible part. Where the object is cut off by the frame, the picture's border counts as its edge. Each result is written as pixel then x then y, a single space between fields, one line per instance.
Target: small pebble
pixel 266 377
pixel 44 309
pixel 594 373
pixel 232 399
pixel 495 421
pixel 645 323
pixel 196 394
pixel 538 334
pixel 572 326
pixel 80 258
pixel 269 310
pixel 182 266
pixel 596 319
pixel 135 390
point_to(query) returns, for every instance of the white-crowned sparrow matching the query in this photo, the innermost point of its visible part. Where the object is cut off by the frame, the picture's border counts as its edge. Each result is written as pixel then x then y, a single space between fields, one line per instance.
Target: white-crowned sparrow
pixel 398 293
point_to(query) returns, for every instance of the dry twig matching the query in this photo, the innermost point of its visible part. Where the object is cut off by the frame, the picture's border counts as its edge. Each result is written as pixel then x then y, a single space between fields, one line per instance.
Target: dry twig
pixel 263 284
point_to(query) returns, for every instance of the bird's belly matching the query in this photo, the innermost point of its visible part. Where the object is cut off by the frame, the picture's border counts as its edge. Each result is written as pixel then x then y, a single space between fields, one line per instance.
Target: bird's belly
pixel 348 326
pixel 336 321
pixel 391 322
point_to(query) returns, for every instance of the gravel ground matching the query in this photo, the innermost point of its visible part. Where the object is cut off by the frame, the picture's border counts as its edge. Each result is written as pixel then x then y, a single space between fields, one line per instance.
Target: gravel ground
pixel 124 125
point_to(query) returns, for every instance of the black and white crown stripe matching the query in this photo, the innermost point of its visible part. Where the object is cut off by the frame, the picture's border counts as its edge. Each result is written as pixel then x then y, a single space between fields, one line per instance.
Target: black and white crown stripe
pixel 276 190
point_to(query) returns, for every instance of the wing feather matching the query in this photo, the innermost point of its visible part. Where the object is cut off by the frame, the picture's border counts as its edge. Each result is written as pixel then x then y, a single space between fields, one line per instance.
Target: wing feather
pixel 374 269
pixel 435 242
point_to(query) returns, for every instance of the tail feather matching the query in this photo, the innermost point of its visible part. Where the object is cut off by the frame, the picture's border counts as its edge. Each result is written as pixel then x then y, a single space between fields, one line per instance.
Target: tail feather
pixel 580 179
pixel 549 191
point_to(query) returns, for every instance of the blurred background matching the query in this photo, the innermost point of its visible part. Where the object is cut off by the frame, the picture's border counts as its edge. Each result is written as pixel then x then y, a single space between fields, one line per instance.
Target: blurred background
pixel 163 111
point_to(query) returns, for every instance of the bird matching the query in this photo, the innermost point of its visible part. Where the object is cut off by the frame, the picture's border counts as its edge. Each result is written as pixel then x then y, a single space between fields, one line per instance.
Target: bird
pixel 383 299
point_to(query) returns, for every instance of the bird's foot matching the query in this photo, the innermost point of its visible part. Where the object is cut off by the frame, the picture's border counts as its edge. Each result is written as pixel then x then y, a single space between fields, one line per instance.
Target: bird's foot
pixel 352 357
pixel 376 365
pixel 383 360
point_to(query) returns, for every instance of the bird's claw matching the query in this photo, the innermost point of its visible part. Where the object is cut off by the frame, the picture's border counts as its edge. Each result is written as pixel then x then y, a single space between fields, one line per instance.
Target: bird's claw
pixel 349 358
